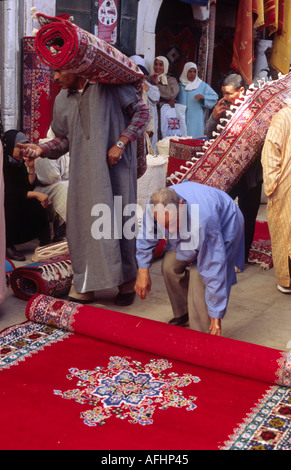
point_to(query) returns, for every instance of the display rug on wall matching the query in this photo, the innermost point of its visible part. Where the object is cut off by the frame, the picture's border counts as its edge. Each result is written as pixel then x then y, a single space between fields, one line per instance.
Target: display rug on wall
pixel 38 93
pixel 261 249
pixel 79 377
pixel 239 139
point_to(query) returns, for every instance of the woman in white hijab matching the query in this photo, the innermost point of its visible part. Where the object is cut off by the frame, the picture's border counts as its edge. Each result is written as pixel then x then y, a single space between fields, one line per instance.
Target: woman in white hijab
pixel 197 96
pixel 168 86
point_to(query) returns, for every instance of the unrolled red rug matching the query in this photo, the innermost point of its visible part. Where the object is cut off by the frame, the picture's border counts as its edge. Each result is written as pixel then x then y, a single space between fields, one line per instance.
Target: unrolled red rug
pixel 261 249
pixel 81 377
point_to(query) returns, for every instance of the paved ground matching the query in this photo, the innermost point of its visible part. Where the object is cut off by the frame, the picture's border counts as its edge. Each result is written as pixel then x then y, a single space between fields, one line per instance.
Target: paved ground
pixel 257 313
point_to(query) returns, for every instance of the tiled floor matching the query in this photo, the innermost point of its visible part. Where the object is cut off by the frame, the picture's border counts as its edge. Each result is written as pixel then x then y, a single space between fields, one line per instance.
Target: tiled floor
pixel 257 311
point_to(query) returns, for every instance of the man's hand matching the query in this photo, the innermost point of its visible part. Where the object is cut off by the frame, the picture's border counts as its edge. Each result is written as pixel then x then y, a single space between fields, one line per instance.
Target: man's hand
pixel 143 283
pixel 114 155
pixel 30 150
pixel 215 326
pixel 220 108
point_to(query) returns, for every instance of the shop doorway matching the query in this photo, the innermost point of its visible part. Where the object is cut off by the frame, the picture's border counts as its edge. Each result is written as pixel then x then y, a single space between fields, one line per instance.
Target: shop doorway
pixel 178 35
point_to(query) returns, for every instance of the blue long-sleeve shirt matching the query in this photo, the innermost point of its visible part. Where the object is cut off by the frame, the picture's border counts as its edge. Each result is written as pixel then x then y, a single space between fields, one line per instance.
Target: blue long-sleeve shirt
pixel 213 241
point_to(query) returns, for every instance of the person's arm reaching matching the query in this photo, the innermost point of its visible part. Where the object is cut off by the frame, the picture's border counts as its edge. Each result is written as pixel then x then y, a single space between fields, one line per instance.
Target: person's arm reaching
pixel 53 149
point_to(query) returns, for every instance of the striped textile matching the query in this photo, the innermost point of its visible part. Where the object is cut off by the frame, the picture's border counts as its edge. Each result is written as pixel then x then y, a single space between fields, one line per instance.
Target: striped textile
pixel 277 175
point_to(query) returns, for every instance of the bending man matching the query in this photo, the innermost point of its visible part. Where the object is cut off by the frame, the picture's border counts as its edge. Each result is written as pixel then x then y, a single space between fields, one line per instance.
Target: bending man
pixel 205 241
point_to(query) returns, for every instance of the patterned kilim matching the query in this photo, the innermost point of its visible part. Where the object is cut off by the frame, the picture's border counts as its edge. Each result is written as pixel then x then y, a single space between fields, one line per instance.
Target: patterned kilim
pixel 62 44
pixel 261 249
pixel 52 277
pixel 240 142
pixel 82 377
pixel 38 93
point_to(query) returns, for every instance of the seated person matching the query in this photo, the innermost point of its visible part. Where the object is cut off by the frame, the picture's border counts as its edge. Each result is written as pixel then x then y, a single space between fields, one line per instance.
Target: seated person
pixel 53 180
pixel 26 216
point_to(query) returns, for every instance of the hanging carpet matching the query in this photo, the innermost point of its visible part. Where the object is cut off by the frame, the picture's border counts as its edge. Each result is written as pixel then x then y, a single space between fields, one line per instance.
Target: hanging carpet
pixel 80 377
pixel 38 93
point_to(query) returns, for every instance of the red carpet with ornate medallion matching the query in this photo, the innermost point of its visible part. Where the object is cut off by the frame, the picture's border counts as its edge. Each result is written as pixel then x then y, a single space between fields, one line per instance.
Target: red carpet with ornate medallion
pixel 81 377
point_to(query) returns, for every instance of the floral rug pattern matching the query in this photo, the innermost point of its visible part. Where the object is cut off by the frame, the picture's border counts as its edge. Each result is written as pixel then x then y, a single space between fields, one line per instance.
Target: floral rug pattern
pixel 128 390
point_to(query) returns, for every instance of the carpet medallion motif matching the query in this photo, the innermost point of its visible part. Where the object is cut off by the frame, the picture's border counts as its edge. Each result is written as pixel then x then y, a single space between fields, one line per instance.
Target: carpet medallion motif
pixel 128 390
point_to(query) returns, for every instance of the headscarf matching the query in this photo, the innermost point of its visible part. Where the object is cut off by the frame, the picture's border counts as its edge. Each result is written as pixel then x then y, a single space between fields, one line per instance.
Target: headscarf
pixel 163 77
pixel 184 80
pixel 140 62
pixel 12 138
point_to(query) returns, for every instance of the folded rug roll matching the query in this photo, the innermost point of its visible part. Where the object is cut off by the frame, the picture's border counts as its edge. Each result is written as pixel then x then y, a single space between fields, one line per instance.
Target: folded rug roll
pixel 62 44
pixel 239 141
pixel 43 253
pixel 243 359
pixel 51 277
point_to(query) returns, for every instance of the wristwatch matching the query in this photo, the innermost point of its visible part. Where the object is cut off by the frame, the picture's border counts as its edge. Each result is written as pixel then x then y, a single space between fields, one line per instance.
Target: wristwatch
pixel 120 144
